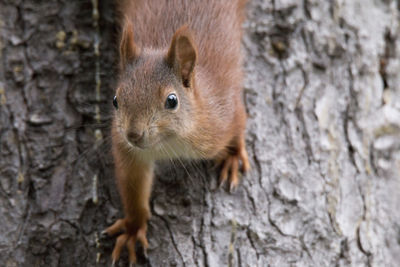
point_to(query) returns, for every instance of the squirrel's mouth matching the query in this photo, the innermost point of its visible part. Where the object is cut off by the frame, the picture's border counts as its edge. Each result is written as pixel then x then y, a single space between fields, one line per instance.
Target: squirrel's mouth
pixel 142 144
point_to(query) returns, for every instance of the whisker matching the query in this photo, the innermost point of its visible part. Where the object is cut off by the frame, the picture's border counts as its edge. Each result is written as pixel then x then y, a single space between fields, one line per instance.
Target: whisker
pixel 193 163
pixel 179 160
pixel 168 156
pixel 96 145
pixel 101 126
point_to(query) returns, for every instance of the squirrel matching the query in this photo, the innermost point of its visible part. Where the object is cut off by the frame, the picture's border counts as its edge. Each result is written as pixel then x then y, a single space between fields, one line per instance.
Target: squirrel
pixel 179 94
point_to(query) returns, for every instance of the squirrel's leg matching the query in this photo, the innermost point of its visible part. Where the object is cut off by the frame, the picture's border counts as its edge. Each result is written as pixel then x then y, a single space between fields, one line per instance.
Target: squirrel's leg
pixel 134 183
pixel 236 152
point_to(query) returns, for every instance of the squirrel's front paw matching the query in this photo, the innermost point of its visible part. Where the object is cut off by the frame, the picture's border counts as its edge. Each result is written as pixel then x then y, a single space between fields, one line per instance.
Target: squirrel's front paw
pixel 230 166
pixel 128 238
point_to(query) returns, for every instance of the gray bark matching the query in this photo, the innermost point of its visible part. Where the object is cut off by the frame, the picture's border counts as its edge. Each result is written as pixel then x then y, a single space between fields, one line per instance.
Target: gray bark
pixel 323 97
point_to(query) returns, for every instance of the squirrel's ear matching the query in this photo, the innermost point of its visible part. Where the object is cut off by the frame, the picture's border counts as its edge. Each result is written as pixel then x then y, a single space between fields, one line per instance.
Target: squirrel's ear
pixel 127 49
pixel 182 55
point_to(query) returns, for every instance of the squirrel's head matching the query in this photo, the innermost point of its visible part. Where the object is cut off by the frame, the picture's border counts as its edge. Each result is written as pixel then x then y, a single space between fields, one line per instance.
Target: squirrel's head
pixel 156 90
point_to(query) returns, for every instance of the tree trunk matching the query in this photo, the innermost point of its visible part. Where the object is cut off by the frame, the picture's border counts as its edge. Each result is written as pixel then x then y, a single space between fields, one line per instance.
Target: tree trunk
pixel 323 97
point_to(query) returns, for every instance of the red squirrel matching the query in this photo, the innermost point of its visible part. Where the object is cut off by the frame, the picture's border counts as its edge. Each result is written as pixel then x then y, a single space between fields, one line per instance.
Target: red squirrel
pixel 179 94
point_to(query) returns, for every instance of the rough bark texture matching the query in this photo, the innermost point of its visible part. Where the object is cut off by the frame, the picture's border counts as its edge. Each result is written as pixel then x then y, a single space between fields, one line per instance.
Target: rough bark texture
pixel 323 97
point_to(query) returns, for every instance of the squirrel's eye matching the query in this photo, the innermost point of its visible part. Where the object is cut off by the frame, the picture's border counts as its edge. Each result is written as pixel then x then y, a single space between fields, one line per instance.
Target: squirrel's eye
pixel 171 102
pixel 115 102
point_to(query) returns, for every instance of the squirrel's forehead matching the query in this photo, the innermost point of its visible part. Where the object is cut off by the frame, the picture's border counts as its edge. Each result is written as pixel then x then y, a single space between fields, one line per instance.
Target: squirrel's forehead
pixel 143 90
pixel 146 79
pixel 150 72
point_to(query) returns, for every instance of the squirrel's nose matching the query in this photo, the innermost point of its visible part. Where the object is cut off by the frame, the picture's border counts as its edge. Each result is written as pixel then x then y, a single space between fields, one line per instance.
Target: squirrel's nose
pixel 134 136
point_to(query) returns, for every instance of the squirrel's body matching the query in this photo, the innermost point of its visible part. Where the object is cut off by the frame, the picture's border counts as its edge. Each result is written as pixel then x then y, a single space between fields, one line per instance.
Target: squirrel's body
pixel 179 95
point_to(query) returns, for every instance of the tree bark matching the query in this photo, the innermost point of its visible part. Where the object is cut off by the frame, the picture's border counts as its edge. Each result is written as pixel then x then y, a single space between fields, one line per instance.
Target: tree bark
pixel 323 97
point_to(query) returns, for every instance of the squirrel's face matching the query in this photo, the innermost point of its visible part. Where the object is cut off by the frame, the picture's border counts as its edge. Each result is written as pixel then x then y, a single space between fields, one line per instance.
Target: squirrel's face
pixel 151 103
pixel 155 96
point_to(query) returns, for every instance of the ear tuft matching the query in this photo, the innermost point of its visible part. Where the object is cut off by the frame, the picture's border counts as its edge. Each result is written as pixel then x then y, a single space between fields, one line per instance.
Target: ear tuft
pixel 182 55
pixel 127 49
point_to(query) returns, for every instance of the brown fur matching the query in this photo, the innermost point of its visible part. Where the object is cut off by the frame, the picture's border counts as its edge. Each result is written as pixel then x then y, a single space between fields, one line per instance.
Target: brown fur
pixel 191 49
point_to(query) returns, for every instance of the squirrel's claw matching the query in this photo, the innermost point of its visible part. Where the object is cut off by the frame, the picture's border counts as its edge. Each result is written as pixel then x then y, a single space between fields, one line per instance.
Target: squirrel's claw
pixel 225 169
pixel 146 256
pixel 245 160
pixel 119 244
pixel 117 227
pixel 131 250
pixel 128 240
pixel 103 234
pixel 230 167
pixel 232 188
pixel 141 236
pixel 221 183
